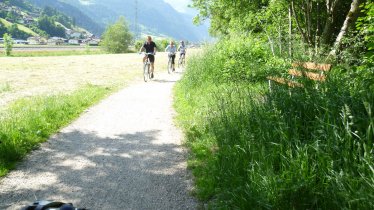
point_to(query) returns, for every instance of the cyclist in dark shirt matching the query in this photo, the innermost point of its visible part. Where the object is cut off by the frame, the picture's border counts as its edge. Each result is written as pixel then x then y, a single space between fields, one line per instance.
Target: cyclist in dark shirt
pixel 150 47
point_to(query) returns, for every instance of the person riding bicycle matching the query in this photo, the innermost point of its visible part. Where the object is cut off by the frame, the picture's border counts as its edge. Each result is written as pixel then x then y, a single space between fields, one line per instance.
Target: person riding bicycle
pixel 171 49
pixel 182 49
pixel 150 47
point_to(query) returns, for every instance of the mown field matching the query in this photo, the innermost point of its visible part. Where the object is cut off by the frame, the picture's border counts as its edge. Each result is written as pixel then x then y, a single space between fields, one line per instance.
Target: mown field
pixel 39 95
pixel 28 76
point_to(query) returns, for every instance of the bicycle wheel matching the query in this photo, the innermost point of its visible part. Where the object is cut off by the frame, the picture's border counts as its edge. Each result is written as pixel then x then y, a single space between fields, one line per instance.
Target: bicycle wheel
pixel 170 66
pixel 183 62
pixel 180 61
pixel 146 74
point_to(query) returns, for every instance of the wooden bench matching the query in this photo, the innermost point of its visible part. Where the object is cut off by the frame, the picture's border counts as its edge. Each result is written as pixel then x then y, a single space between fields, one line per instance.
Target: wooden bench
pixel 310 70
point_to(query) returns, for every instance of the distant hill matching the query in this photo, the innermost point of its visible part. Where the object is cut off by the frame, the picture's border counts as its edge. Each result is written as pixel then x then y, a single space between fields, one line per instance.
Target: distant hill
pixel 20 27
pixel 22 19
pixel 154 16
pixel 81 19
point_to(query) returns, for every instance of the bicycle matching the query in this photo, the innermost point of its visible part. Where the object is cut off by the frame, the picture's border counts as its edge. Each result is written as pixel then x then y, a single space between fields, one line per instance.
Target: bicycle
pixel 170 63
pixel 181 61
pixel 51 205
pixel 146 68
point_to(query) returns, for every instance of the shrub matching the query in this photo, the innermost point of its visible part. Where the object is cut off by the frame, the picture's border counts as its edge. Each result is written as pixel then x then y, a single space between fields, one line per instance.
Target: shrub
pixel 8 44
pixel 117 37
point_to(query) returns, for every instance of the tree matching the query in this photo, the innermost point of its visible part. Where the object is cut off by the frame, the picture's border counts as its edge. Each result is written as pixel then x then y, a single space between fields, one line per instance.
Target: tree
pixel 8 44
pixel 48 25
pixel 117 37
pixel 314 22
pixel 349 21
pixel 15 32
pixel 3 29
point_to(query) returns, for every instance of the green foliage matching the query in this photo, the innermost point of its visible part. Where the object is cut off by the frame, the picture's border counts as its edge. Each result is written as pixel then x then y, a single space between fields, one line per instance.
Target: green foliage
pixel 45 25
pixel 117 37
pixel 138 44
pixel 3 14
pixel 311 21
pixel 11 16
pixel 8 44
pixel 20 3
pixel 366 29
pixel 162 44
pixel 239 59
pixel 289 148
pixel 87 51
pixel 58 17
pixel 5 87
pixel 28 122
pixel 3 29
pixel 48 25
pixel 16 32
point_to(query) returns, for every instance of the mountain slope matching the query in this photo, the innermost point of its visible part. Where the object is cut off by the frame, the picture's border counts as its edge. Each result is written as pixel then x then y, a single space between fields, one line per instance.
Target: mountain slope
pixel 154 17
pixel 81 19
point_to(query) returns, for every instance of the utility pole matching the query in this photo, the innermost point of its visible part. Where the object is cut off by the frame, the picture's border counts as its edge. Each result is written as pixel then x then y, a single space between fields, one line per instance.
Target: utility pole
pixel 136 24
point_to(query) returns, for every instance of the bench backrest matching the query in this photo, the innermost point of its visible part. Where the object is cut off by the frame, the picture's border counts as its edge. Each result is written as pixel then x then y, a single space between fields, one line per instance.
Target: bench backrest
pixel 312 66
pixel 314 71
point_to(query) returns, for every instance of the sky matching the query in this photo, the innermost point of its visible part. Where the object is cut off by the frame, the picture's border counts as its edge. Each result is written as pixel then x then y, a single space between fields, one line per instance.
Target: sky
pixel 180 5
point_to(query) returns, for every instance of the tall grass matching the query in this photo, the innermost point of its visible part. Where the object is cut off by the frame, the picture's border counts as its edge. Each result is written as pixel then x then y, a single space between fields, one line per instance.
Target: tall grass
pixel 289 148
pixel 28 122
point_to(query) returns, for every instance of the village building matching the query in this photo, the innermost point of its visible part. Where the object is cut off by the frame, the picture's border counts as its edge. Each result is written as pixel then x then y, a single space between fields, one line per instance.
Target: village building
pixel 56 41
pixel 20 41
pixel 74 41
pixel 36 40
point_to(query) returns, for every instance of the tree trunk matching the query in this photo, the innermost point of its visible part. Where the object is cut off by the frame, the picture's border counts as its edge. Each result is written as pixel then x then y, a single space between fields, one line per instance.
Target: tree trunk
pixel 280 39
pixel 304 35
pixel 271 43
pixel 327 30
pixel 290 31
pixel 349 21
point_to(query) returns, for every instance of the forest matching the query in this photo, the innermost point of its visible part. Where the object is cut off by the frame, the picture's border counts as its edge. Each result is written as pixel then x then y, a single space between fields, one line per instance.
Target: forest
pixel 308 145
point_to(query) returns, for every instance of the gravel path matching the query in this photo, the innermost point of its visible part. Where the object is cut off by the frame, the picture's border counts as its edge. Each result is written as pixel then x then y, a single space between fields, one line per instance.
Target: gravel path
pixel 124 153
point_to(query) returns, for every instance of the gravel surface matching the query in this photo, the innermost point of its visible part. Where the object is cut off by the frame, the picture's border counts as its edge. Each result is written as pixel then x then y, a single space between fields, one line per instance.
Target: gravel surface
pixel 124 153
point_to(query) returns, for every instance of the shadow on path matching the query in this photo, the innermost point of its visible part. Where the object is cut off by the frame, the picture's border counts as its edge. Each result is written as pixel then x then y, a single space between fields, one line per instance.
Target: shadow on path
pixel 125 171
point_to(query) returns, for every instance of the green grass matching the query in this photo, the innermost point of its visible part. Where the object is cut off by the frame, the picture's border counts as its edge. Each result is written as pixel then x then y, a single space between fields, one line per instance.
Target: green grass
pixel 297 148
pixel 5 87
pixel 55 53
pixel 5 22
pixel 20 27
pixel 28 122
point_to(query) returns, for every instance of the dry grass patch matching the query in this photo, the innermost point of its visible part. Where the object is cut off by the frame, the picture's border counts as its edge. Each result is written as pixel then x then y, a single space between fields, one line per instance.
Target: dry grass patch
pixel 29 76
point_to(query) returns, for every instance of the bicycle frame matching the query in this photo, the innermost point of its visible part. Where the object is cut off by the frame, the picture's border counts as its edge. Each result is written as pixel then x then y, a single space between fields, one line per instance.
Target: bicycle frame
pixel 170 65
pixel 146 67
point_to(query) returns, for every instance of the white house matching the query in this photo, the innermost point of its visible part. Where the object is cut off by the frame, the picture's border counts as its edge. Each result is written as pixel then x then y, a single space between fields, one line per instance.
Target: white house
pixel 74 41
pixel 20 41
pixel 56 41
pixel 36 40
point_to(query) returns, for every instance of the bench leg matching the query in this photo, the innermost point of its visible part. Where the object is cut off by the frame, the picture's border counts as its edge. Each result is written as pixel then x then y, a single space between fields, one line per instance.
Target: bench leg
pixel 269 85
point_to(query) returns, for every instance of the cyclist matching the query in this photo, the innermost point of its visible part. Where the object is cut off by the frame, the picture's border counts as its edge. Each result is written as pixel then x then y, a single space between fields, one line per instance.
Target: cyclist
pixel 182 49
pixel 171 49
pixel 150 47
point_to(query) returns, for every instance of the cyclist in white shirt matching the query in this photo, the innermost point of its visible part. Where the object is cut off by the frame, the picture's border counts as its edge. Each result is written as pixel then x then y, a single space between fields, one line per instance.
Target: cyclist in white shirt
pixel 182 49
pixel 171 49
